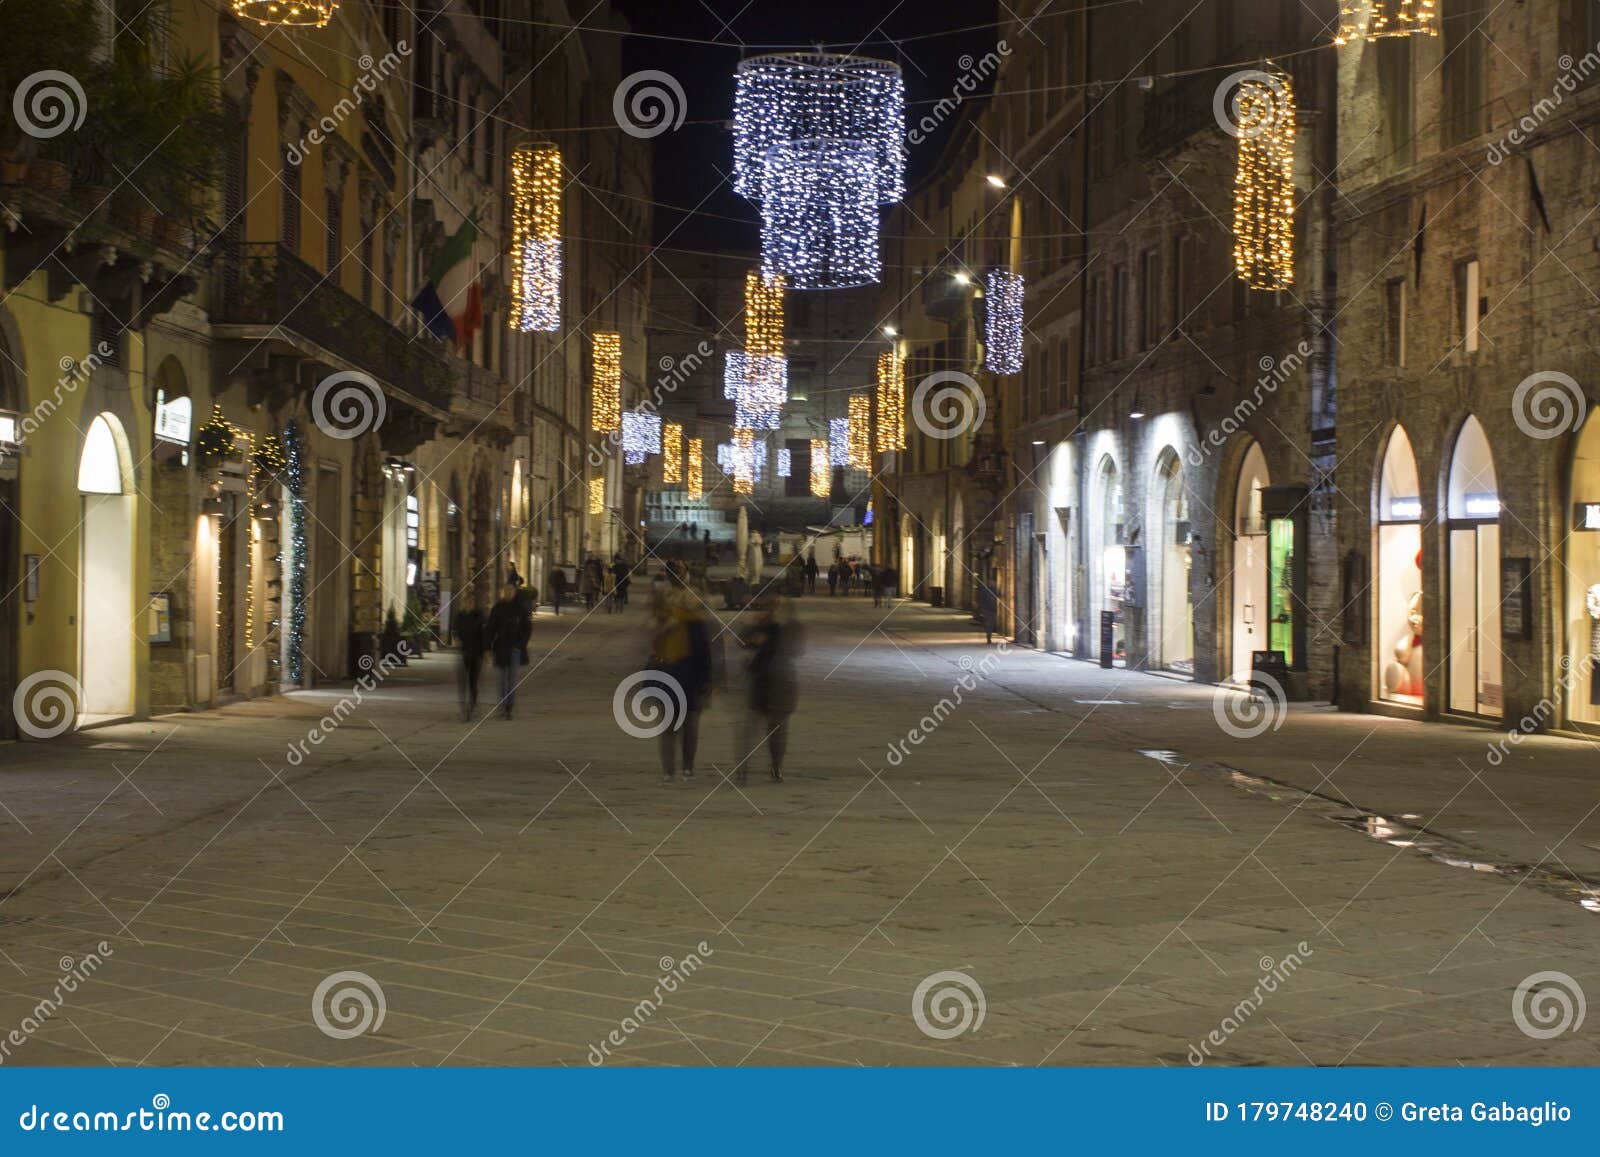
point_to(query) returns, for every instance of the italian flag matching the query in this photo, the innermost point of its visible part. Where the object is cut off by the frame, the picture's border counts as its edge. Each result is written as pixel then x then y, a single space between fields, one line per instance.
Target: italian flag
pixel 451 303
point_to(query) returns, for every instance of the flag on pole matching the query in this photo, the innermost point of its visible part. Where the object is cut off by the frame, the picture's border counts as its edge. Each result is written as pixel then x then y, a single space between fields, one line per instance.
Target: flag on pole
pixel 451 302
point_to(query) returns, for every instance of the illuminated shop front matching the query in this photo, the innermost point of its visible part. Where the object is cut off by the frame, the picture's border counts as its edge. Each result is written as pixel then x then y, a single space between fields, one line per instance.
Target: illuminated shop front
pixel 1172 597
pixel 1400 644
pixel 1473 583
pixel 1249 565
pixel 1581 665
pixel 1109 558
pixel 1269 568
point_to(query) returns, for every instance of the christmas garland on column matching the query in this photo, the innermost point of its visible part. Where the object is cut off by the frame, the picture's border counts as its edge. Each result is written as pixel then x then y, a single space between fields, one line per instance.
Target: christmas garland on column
pixel 294 481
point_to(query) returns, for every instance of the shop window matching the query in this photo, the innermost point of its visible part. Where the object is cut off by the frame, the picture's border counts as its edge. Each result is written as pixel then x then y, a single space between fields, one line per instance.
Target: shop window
pixel 1473 571
pixel 1400 638
pixel 1469 303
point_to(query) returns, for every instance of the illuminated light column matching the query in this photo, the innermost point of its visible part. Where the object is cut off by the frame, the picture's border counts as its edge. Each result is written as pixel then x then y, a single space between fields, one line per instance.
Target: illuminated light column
pixel 597 494
pixel 819 222
pixel 785 463
pixel 641 436
pixel 838 441
pixel 744 461
pixel 606 403
pixel 860 437
pixel 672 454
pixel 891 399
pixel 535 239
pixel 1263 187
pixel 693 470
pixel 1002 341
pixel 821 468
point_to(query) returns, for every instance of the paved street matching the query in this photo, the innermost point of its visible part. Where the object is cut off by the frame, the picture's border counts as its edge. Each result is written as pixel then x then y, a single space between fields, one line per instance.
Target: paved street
pixel 1111 868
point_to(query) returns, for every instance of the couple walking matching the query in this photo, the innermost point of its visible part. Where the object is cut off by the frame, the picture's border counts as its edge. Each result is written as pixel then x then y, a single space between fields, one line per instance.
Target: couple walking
pixel 681 649
pixel 504 632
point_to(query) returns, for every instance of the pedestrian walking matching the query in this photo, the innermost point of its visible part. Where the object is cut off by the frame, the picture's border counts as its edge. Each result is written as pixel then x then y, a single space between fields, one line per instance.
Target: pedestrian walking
pixel 833 578
pixel 846 573
pixel 506 635
pixel 882 583
pixel 811 572
pixel 558 586
pixel 988 606
pixel 622 575
pixel 469 627
pixel 680 650
pixel 589 581
pixel 776 642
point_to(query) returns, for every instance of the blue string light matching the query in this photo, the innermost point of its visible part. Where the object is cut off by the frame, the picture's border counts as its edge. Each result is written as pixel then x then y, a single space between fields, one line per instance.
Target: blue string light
pixel 1002 344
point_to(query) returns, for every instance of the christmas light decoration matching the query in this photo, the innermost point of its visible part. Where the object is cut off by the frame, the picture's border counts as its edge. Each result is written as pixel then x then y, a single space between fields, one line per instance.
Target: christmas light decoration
pixel 763 313
pixel 785 462
pixel 692 471
pixel 838 441
pixel 819 143
pixel 535 239
pixel 597 494
pixel 744 461
pixel 758 385
pixel 725 456
pixel 606 403
pixel 672 454
pixel 860 435
pixel 1002 328
pixel 821 472
pixel 891 402
pixel 1263 187
pixel 641 435
pixel 292 13
pixel 1375 19
pixel 294 483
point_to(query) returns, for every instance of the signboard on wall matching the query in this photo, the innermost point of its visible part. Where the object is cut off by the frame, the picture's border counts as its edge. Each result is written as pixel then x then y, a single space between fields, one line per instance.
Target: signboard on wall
pixel 1516 598
pixel 173 420
pixel 1586 516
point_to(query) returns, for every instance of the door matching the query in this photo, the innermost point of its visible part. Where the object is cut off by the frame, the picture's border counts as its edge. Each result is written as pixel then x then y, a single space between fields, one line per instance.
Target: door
pixel 1475 660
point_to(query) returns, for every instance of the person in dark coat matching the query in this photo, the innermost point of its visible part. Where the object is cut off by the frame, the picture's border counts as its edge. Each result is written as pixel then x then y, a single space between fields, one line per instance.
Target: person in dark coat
pixel 680 650
pixel 512 577
pixel 558 586
pixel 882 584
pixel 776 641
pixel 506 635
pixel 468 627
pixel 621 575
pixel 833 578
pixel 988 608
pixel 811 572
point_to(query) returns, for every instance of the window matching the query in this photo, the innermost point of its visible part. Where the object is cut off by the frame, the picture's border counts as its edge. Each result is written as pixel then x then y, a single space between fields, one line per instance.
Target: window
pixel 1469 304
pixel 1395 97
pixel 1150 299
pixel 1119 311
pixel 1394 330
pixel 1063 375
pixel 1580 27
pixel 371 246
pixel 335 242
pixel 1097 318
pixel 289 206
pixel 1177 290
pixel 1463 116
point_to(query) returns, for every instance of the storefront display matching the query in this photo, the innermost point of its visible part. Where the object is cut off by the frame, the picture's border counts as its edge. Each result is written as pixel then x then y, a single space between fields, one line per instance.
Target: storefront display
pixel 1399 641
pixel 1473 587
pixel 1251 602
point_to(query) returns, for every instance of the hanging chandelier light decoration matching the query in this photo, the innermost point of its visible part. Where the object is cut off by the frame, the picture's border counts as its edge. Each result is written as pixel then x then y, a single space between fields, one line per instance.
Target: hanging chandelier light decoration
pixel 758 385
pixel 859 454
pixel 535 239
pixel 606 402
pixel 693 470
pixel 821 469
pixel 838 441
pixel 891 398
pixel 819 144
pixel 745 448
pixel 1263 186
pixel 641 436
pixel 288 13
pixel 672 454
pixel 1376 19
pixel 1002 326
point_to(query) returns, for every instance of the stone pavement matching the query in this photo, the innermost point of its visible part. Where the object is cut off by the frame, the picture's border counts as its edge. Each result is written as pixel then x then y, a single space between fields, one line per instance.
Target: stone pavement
pixel 527 892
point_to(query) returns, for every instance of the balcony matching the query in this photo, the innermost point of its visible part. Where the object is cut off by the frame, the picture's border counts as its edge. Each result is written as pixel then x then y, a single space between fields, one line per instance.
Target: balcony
pixel 273 300
pixel 943 297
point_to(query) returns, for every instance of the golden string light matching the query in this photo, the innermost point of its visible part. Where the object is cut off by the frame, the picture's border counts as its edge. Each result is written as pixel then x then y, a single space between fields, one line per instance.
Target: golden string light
pixel 535 239
pixel 606 405
pixel 597 494
pixel 672 454
pixel 860 440
pixel 821 471
pixel 744 461
pixel 693 475
pixel 1375 19
pixel 763 313
pixel 891 402
pixel 293 13
pixel 1263 186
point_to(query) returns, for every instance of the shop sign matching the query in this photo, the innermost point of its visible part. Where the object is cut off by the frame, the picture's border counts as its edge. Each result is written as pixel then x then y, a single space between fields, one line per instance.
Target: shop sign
pixel 173 420
pixel 1586 516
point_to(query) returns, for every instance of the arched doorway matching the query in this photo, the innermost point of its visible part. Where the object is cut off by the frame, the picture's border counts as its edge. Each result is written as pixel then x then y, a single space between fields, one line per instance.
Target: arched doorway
pixel 1583 579
pixel 908 555
pixel 1251 573
pixel 1397 586
pixel 1058 620
pixel 1171 601
pixel 1109 560
pixel 12 374
pixel 106 616
pixel 1473 586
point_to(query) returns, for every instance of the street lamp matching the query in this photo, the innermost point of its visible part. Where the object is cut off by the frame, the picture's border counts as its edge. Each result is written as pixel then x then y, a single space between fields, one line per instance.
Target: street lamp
pixel 996 180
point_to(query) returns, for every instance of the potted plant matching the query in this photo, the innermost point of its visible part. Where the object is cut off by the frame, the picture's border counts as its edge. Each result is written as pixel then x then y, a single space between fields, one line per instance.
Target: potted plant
pixel 38 38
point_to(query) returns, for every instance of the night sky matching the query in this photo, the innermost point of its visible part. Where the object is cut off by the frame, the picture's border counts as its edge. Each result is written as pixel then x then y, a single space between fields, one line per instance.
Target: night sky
pixel 691 162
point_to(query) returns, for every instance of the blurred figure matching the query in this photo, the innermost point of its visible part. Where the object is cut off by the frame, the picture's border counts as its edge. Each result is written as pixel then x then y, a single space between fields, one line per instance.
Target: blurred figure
pixel 833 578
pixel 512 577
pixel 469 629
pixel 776 640
pixel 680 648
pixel 988 606
pixel 558 587
pixel 622 574
pixel 507 635
pixel 846 573
pixel 811 572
